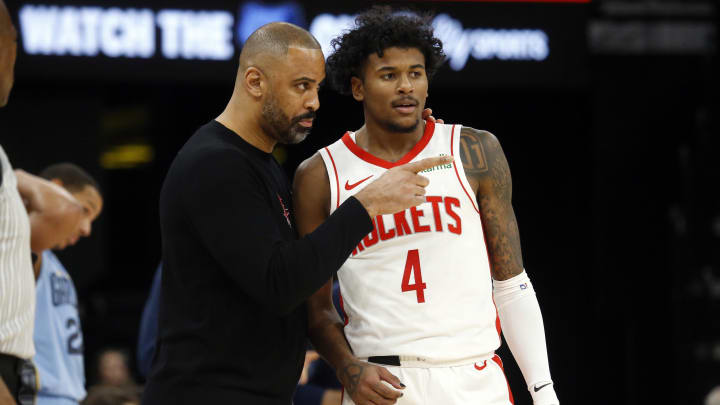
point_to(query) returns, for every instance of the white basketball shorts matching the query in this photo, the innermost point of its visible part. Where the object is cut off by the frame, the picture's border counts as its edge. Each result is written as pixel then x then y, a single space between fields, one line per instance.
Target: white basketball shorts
pixel 479 383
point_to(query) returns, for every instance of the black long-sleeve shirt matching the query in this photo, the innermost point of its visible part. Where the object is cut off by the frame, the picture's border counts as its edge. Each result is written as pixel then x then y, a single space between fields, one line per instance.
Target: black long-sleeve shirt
pixel 233 321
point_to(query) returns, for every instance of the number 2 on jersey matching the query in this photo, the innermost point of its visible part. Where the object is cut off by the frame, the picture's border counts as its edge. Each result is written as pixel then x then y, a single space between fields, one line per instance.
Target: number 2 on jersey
pixel 75 343
pixel 412 264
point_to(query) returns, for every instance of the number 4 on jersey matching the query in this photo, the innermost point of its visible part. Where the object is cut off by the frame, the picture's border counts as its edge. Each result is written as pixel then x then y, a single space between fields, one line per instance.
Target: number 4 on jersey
pixel 413 265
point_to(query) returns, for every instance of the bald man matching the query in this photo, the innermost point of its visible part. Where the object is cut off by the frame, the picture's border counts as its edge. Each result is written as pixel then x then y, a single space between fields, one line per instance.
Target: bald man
pixel 233 321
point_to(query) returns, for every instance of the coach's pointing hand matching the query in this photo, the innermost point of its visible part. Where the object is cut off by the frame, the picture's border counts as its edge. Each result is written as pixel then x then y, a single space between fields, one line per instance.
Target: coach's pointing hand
pixel 399 188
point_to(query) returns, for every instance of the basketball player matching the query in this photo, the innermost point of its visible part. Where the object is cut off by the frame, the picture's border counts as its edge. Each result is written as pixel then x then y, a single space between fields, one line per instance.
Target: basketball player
pixel 58 336
pixel 235 277
pixel 418 290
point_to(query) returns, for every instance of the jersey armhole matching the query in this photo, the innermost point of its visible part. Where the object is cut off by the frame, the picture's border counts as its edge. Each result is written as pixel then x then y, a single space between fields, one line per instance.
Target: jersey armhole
pixel 462 178
pixel 333 180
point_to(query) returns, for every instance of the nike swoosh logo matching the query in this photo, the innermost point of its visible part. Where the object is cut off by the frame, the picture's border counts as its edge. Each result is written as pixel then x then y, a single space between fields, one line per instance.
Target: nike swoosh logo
pixel 481 367
pixel 352 186
pixel 536 388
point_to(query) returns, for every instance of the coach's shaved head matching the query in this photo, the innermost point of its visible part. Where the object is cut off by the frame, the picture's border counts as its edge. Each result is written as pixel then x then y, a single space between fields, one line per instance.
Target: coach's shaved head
pixel 8 48
pixel 272 41
pixel 276 89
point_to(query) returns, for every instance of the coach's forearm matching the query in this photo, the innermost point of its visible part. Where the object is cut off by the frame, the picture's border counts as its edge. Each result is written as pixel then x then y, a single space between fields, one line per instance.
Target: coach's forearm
pixel 296 269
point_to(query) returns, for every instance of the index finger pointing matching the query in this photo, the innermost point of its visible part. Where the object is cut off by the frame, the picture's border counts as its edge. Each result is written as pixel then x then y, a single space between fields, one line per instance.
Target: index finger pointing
pixel 427 163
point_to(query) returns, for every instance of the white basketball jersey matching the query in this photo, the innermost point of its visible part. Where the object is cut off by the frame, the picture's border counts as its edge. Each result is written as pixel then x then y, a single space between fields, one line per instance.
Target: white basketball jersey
pixel 419 284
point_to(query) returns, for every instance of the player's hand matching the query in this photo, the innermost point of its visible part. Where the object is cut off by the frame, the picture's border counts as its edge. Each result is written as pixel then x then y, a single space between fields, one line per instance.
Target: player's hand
pixel 399 188
pixel 427 115
pixel 364 383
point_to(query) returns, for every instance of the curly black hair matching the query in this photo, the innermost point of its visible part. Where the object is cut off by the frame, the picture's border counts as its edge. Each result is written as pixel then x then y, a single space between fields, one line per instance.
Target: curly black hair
pixel 376 30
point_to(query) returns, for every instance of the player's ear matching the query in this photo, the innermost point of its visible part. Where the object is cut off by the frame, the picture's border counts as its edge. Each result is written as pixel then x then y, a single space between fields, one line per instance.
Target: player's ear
pixel 254 81
pixel 358 91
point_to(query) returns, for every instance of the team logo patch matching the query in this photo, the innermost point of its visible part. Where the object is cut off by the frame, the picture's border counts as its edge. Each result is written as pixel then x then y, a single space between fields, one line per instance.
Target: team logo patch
pixel 286 212
pixel 349 186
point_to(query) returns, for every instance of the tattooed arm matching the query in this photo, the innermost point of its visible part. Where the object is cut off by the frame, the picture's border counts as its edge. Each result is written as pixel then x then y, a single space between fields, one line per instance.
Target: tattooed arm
pixel 489 176
pixel 361 380
pixel 488 173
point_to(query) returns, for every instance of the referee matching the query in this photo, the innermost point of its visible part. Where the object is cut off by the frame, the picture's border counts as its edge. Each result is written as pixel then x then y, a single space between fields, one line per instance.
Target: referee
pixel 232 325
pixel 54 218
pixel 17 286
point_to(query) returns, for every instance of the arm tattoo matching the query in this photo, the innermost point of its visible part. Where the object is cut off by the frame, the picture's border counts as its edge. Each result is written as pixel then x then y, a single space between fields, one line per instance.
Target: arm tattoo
pixel 352 373
pixel 472 155
pixel 485 164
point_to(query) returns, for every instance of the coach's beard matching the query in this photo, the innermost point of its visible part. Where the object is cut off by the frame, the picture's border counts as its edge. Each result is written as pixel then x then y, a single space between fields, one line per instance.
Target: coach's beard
pixel 285 130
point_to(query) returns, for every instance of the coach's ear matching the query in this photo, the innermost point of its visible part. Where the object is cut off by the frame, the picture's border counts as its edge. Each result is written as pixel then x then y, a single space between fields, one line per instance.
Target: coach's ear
pixel 254 81
pixel 358 91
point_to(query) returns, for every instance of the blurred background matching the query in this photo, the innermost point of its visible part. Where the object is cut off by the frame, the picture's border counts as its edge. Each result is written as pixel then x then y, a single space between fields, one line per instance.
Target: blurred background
pixel 607 111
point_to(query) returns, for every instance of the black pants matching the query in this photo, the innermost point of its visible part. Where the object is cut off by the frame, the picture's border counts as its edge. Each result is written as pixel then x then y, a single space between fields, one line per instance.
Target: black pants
pixel 19 377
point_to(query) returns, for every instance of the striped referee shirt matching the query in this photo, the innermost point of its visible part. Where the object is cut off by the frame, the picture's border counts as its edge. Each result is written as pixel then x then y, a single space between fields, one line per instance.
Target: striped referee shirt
pixel 17 282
